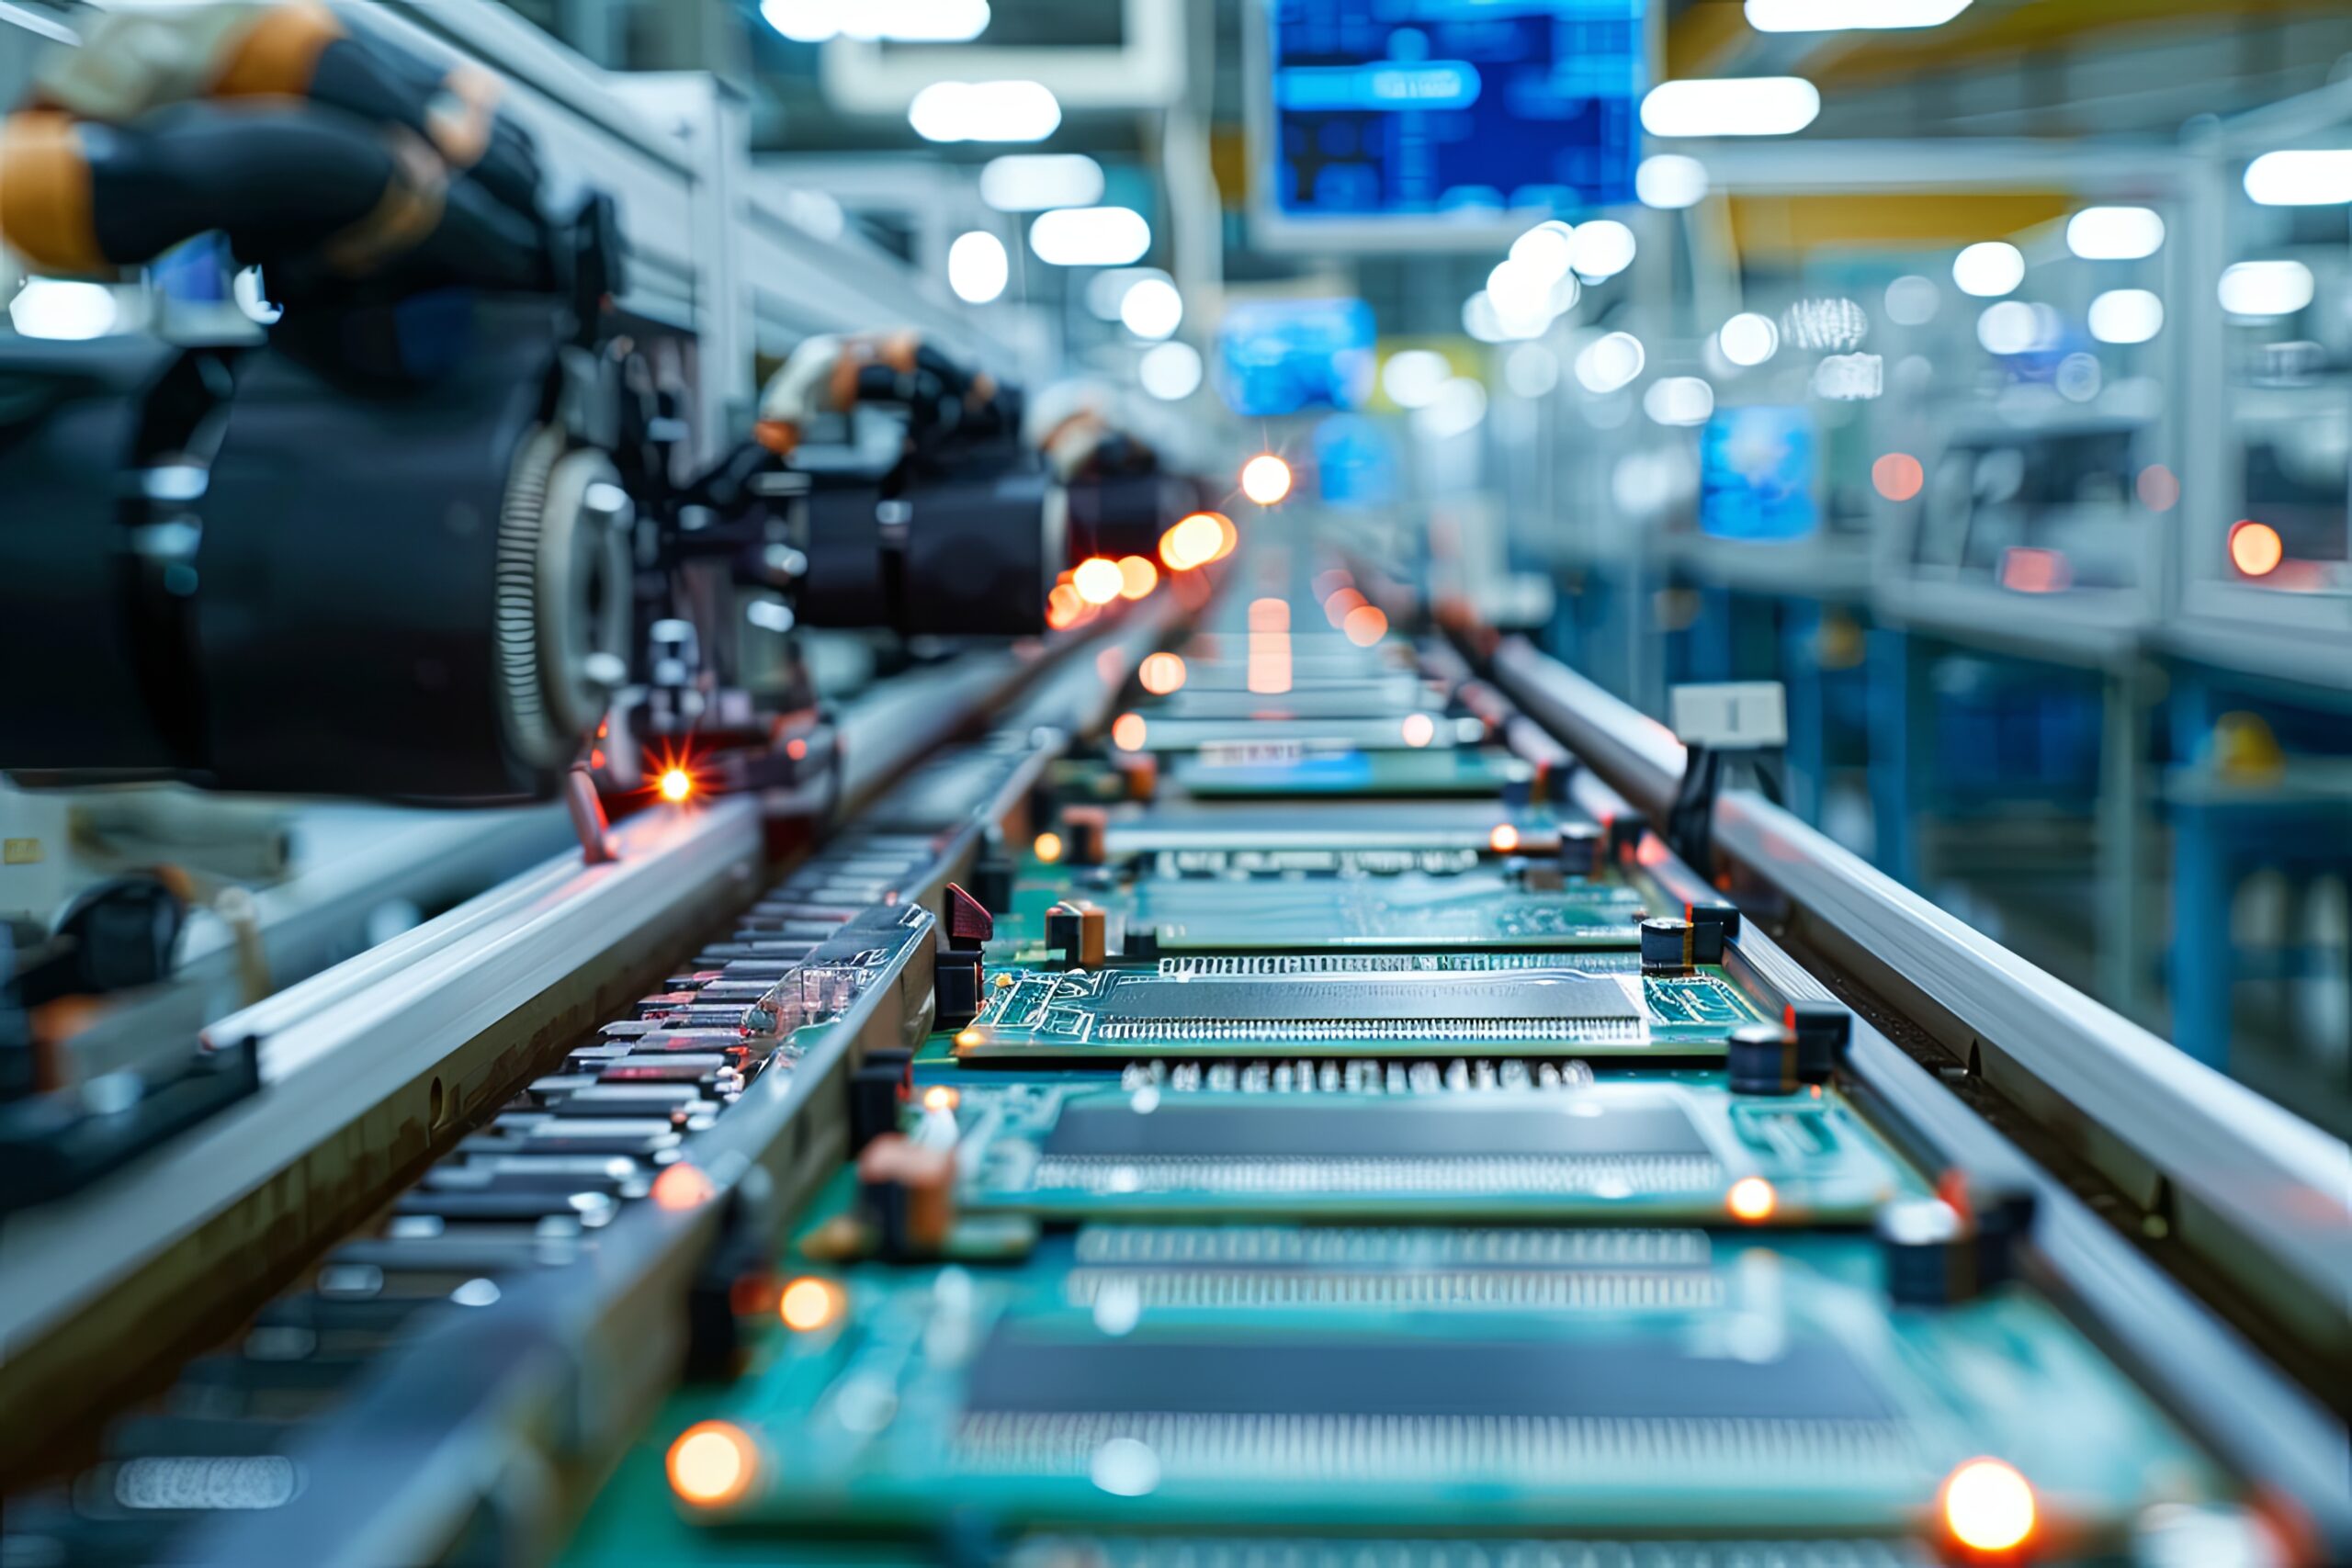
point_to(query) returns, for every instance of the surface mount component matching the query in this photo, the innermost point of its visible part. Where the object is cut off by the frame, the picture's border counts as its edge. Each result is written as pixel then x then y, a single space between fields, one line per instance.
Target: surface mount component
pixel 1307 731
pixel 1275 768
pixel 1573 1006
pixel 1385 696
pixel 1486 905
pixel 1367 1139
pixel 1174 1380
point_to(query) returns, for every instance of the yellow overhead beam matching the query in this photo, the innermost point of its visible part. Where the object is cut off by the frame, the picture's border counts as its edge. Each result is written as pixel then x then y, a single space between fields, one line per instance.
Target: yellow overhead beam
pixel 1987 32
pixel 1703 38
pixel 1793 225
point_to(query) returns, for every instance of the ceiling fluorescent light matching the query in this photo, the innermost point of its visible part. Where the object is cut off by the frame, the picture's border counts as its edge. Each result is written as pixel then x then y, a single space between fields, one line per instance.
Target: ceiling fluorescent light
pixel 1033 182
pixel 1731 105
pixel 1845 16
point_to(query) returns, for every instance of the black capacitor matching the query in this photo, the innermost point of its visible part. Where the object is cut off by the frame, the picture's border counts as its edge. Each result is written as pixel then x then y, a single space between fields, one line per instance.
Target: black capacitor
pixel 873 1095
pixel 1929 1251
pixel 1666 946
pixel 2001 1217
pixel 1761 1058
pixel 1711 926
pixel 1622 835
pixel 992 881
pixel 1823 1031
pixel 1084 828
pixel 1064 925
pixel 1579 848
pixel 955 989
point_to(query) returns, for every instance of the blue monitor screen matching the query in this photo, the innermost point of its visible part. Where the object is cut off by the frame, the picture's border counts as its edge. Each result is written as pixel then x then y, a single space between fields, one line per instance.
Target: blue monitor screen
pixel 1755 472
pixel 1438 107
pixel 1354 466
pixel 1277 356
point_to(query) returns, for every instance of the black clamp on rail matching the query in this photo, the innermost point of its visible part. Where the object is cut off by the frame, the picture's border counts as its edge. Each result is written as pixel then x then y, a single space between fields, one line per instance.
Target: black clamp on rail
pixel 1725 730
pixel 58 1136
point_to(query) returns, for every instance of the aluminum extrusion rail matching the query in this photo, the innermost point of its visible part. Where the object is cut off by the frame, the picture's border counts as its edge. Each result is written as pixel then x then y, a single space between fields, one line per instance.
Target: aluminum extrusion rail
pixel 369 1066
pixel 2258 1195
pixel 355 1091
pixel 476 1416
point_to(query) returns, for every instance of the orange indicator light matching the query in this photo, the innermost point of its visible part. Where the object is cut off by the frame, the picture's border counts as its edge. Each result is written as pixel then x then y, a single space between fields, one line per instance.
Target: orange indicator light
pixel 712 1463
pixel 1098 580
pixel 682 1186
pixel 2255 549
pixel 1162 673
pixel 1364 625
pixel 808 1304
pixel 1988 1506
pixel 1751 1199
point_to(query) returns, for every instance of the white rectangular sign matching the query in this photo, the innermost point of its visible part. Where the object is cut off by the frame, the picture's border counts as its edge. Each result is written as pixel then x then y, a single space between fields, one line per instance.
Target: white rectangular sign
pixel 1738 716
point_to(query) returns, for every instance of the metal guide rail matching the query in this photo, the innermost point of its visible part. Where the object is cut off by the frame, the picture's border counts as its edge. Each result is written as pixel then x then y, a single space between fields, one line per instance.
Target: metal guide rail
pixel 1286 1151
pixel 2260 1197
pixel 360 1078
pixel 2242 1198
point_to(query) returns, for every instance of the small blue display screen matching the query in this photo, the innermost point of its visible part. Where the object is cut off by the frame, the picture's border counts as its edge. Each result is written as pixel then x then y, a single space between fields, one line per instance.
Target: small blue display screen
pixel 1354 466
pixel 1277 356
pixel 1756 474
pixel 1433 108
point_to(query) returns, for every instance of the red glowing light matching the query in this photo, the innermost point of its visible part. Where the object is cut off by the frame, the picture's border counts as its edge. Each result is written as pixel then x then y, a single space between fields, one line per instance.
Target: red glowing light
pixel 671 776
pixel 2027 568
pixel 1898 476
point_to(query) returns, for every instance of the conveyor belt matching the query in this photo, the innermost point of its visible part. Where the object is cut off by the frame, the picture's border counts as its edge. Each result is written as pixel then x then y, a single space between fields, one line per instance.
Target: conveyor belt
pixel 1239 1215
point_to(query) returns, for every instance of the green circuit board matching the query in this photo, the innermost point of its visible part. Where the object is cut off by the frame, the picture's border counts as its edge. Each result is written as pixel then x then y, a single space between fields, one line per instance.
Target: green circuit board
pixel 1457 1142
pixel 1582 1004
pixel 1368 1206
pixel 1279 769
pixel 1199 1381
pixel 1484 906
pixel 1281 730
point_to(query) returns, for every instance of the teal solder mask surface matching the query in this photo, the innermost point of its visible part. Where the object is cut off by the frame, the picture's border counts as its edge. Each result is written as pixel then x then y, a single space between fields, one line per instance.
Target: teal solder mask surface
pixel 1482 905
pixel 1273 768
pixel 1222 1378
pixel 1278 728
pixel 1367 1139
pixel 1340 881
pixel 1546 1004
